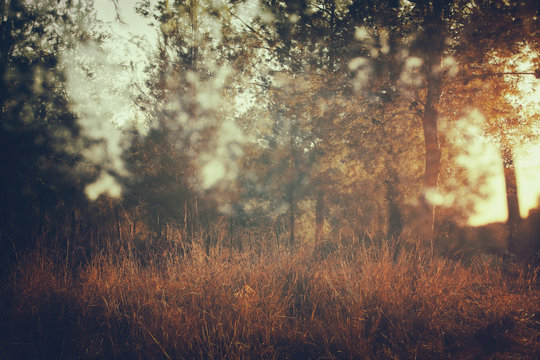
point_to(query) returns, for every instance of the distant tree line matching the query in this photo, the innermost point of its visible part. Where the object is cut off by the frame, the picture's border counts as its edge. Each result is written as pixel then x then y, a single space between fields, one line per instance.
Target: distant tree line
pixel 289 121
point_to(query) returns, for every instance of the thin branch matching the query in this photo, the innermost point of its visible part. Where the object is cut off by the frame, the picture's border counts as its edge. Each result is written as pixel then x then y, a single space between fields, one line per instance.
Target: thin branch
pixel 261 37
pixel 253 30
pixel 117 11
pixel 485 75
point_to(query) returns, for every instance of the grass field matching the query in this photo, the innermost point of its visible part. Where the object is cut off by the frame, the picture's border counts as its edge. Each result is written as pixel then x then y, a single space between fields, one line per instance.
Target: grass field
pixel 356 302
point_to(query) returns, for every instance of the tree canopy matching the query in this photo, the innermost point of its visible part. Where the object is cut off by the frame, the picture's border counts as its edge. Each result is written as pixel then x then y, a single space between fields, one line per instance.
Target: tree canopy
pixel 310 118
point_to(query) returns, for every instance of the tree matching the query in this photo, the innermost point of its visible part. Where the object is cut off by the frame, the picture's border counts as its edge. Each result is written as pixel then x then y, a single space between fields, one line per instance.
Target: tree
pixel 345 80
pixel 492 59
pixel 38 190
pixel 321 35
pixel 190 105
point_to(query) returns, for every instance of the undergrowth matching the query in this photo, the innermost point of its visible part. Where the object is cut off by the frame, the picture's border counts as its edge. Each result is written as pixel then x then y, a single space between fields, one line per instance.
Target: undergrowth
pixel 356 302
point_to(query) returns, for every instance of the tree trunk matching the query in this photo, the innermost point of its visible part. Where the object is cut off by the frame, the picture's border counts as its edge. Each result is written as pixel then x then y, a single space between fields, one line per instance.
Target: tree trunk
pixel 291 208
pixel 332 35
pixel 196 223
pixel 158 225
pixel 432 166
pixel 512 200
pixel 395 222
pixel 291 222
pixel 292 174
pixel 319 216
pixel 276 232
pixel 434 43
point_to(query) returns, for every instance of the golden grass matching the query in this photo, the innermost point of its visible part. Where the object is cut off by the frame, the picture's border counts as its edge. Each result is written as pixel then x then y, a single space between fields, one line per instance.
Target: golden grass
pixel 363 302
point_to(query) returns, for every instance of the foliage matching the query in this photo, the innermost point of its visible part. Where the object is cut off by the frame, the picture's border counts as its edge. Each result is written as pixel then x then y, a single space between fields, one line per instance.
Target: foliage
pixel 38 191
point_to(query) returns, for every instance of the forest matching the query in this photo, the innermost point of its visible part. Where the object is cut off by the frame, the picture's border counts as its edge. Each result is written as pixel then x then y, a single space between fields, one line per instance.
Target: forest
pixel 311 179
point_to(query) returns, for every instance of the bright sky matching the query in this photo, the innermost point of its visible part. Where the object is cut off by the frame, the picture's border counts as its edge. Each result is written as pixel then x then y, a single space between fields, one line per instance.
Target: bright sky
pixel 134 23
pixel 527 158
pixel 527 173
pixel 130 44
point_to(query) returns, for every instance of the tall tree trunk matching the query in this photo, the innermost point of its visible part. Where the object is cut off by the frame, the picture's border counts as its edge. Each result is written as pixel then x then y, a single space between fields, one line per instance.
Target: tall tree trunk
pixel 117 221
pixel 395 222
pixel 291 184
pixel 158 224
pixel 432 166
pixel 6 47
pixel 434 47
pixel 319 216
pixel 194 49
pixel 512 201
pixel 332 35
pixel 291 219
pixel 7 13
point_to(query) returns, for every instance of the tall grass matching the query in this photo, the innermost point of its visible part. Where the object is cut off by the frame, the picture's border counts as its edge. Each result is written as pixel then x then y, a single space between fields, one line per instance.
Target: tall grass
pixel 355 302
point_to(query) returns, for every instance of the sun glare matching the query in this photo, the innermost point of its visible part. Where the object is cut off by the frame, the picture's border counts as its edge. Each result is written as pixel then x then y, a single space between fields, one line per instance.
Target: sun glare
pixel 494 208
pixel 528 174
pixel 527 148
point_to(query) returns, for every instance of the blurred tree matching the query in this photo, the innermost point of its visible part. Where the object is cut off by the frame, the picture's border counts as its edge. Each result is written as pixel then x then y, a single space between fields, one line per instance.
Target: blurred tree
pixel 496 75
pixel 315 43
pixel 442 31
pixel 38 195
pixel 345 91
pixel 183 166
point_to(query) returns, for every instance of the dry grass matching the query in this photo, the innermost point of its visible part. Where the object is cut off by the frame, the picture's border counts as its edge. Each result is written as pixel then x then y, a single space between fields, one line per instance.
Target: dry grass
pixel 355 303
